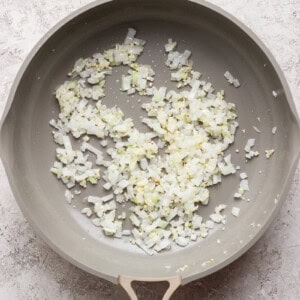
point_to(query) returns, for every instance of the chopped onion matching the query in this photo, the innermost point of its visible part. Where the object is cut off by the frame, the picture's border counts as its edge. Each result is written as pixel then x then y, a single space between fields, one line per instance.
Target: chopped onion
pixel 231 80
pixel 165 173
pixel 244 184
pixel 69 196
pixel 256 129
pixel 235 211
pixel 269 153
pixel 243 175
pixel 249 153
pixel 274 129
pixel 87 211
pixel 170 46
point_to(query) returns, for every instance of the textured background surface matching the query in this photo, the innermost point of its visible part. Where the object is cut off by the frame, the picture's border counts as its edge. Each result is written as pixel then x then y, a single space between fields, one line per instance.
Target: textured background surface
pixel 29 269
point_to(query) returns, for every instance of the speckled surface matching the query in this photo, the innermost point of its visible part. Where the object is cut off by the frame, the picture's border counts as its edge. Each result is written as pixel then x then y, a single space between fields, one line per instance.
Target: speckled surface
pixel 29 269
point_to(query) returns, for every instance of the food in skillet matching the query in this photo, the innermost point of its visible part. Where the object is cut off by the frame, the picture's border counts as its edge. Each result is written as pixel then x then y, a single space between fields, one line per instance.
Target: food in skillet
pixel 164 173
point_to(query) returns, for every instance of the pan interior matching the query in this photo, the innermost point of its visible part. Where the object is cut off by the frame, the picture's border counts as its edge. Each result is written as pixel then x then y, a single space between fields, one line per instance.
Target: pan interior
pixel 217 45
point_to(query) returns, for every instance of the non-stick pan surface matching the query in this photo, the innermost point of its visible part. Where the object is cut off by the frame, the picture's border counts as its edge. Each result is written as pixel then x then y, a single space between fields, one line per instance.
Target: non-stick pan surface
pixel 218 43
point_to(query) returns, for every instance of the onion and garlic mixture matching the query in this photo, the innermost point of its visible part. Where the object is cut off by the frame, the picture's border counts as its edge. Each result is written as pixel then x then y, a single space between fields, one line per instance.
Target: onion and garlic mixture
pixel 165 173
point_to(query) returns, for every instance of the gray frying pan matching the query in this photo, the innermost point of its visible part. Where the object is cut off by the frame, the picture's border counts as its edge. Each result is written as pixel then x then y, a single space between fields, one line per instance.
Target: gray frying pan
pixel 218 42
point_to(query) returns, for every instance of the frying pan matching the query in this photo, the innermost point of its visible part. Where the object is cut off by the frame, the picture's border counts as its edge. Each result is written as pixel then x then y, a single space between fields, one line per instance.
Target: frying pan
pixel 218 43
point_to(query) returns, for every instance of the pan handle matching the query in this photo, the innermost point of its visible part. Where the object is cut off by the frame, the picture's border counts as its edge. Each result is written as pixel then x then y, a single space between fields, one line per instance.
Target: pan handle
pixel 126 281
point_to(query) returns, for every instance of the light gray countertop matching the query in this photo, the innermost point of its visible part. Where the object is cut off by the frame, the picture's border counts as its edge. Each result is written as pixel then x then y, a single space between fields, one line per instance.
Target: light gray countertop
pixel 29 269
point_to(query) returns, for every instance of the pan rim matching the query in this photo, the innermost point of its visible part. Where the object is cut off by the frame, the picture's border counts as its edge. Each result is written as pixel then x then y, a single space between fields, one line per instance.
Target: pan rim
pixel 59 250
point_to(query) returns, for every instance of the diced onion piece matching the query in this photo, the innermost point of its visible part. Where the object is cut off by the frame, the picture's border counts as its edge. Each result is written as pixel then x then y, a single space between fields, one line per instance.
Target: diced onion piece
pixel 244 184
pixel 235 211
pixel 256 129
pixel 243 176
pixel 231 80
pixel 269 153
pixel 130 36
pixel 69 196
pixel 170 46
pixel 87 211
